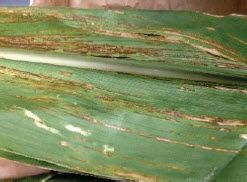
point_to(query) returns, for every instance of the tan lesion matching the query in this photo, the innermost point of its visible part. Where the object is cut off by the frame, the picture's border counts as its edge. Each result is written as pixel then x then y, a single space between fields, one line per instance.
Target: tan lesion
pixel 232 66
pixel 178 37
pixel 25 15
pixel 207 119
pixel 198 146
pixel 53 43
pixel 66 73
pixel 136 176
pixel 172 115
pixel 209 46
pixel 239 40
pixel 242 91
pixel 111 102
pixel 42 82
pixel 211 28
pixel 44 99
pixel 140 36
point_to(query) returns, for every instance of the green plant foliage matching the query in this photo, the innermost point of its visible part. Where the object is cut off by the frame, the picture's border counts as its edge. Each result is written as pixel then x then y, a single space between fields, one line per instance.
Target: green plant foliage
pixel 138 95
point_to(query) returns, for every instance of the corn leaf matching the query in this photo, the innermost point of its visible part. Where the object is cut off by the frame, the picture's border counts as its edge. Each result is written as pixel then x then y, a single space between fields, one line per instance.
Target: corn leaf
pixel 132 94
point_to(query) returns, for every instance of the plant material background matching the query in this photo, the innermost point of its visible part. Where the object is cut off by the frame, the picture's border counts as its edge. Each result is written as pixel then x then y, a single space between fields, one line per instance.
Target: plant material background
pixel 166 100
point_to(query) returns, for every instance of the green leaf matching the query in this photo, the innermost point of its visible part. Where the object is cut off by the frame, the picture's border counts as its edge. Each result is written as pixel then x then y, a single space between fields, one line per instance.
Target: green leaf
pixel 133 94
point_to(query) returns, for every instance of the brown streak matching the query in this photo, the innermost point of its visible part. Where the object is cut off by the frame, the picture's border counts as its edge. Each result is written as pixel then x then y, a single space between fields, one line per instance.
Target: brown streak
pixel 197 146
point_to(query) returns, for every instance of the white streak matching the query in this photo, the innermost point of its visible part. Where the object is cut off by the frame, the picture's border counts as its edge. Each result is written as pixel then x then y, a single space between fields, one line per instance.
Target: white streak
pixel 38 122
pixel 45 127
pixel 64 143
pixel 32 115
pixel 244 136
pixel 108 150
pixel 77 130
pixel 216 16
pixel 115 127
pixel 239 15
pixel 210 175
